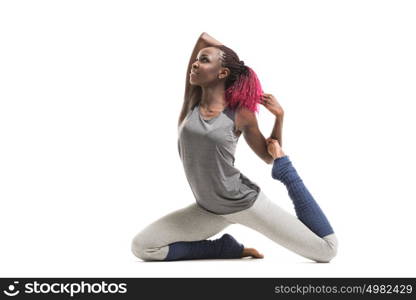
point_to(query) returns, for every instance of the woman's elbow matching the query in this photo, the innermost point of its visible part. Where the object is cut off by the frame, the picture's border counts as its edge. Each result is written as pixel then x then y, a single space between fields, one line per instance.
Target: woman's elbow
pixel 268 160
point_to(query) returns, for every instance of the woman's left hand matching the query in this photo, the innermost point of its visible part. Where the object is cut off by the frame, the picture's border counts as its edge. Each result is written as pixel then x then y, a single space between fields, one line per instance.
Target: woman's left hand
pixel 270 102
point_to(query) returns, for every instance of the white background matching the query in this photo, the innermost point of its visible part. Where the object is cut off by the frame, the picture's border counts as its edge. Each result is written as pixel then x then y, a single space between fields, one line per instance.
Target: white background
pixel 90 94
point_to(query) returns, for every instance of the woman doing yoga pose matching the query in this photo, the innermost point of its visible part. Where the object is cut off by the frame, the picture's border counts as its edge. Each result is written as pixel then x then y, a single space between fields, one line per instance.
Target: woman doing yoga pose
pixel 222 96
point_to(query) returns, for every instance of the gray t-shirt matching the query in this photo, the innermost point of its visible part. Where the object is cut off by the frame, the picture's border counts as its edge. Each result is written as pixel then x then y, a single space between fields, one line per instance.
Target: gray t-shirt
pixel 207 148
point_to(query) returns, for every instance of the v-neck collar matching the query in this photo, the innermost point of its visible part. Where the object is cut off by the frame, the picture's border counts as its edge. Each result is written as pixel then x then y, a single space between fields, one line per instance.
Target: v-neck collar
pixel 212 119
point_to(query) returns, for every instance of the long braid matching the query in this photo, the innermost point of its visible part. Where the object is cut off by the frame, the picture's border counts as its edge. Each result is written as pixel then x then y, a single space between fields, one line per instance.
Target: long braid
pixel 242 86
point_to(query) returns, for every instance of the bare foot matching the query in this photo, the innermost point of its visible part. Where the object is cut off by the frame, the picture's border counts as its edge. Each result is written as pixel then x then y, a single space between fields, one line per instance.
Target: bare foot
pixel 252 252
pixel 274 149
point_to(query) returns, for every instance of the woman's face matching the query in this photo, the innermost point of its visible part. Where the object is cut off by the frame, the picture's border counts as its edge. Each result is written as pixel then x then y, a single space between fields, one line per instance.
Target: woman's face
pixel 206 69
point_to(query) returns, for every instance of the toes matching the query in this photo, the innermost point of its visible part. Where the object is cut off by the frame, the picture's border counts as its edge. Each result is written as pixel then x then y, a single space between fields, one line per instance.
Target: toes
pixel 252 252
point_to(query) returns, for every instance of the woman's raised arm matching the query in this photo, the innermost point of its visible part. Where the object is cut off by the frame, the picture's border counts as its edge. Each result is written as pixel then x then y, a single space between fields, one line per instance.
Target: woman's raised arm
pixel 192 92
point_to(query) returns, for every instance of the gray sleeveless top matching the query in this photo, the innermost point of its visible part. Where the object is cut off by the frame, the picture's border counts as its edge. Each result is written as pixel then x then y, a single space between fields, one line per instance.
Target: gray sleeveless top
pixel 207 148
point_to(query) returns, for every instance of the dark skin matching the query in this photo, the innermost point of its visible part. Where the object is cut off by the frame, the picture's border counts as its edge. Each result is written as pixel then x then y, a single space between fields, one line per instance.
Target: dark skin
pixel 205 84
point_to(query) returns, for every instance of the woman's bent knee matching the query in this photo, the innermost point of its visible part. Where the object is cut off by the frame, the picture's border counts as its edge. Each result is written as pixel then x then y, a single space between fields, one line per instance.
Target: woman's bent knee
pixel 141 248
pixel 137 248
pixel 327 256
pixel 330 250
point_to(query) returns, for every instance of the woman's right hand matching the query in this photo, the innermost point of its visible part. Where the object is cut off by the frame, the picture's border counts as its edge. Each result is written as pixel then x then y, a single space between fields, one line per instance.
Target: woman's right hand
pixel 274 149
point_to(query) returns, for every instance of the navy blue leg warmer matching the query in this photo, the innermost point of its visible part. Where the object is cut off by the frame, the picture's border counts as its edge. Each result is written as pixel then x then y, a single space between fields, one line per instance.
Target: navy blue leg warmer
pixel 307 210
pixel 224 247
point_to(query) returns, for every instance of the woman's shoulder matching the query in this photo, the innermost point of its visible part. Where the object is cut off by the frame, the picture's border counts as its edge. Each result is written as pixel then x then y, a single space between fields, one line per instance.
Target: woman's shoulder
pixel 244 117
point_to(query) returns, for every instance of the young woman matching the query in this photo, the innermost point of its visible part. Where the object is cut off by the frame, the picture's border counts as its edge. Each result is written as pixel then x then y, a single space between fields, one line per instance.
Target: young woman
pixel 221 98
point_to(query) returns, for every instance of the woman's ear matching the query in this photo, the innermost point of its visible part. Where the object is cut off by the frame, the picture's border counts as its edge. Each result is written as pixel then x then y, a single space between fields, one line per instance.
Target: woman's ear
pixel 224 73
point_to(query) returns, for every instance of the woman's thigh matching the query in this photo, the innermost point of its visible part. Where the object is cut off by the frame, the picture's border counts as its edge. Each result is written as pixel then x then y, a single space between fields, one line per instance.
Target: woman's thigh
pixel 285 229
pixel 191 223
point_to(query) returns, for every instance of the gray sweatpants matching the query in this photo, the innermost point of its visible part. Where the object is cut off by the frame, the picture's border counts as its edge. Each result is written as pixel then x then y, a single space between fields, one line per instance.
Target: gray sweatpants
pixel 193 223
